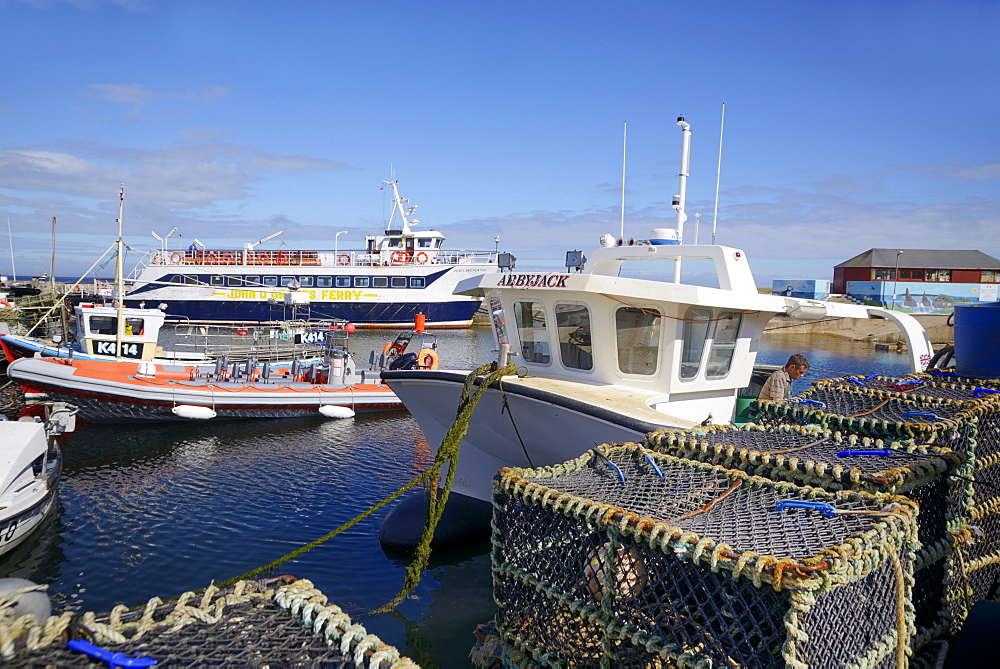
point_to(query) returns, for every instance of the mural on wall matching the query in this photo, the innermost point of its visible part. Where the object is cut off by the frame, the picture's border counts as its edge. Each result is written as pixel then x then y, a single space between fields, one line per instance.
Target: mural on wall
pixel 810 289
pixel 922 298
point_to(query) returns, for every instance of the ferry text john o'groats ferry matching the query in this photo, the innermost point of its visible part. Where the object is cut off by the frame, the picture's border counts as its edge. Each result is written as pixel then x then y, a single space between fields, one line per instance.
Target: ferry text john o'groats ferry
pixel 398 275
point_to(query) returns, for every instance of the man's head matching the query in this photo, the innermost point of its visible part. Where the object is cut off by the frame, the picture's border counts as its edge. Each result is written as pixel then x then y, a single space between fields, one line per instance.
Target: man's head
pixel 796 366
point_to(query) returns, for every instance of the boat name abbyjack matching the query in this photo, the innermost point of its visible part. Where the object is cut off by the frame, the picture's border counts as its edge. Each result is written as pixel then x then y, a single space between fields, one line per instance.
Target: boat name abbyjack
pixel 534 280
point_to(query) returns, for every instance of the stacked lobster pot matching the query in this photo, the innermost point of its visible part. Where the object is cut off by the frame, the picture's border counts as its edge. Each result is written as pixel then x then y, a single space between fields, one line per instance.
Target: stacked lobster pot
pixel 629 557
pixel 958 414
pixel 936 479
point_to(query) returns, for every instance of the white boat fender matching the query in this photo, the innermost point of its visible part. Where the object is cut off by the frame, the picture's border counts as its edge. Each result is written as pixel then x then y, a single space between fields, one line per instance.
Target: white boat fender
pixel 332 411
pixel 191 411
pixel 30 598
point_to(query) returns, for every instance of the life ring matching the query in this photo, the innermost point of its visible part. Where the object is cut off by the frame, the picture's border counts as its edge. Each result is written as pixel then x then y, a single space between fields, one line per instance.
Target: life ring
pixel 427 358
pixel 421 257
pixel 5 303
pixel 344 259
pixel 393 348
pixel 400 257
pixel 282 259
pixel 242 332
pixel 175 258
pixel 211 259
pixel 227 259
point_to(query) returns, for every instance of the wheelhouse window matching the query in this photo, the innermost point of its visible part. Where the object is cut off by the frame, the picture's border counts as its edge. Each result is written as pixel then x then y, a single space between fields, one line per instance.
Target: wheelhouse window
pixel 531 329
pixel 573 326
pixel 134 326
pixel 720 357
pixel 380 282
pixel 696 324
pixel 324 281
pixel 499 323
pixel 361 282
pixel 216 280
pixel 425 243
pixel 417 282
pixel 637 337
pixel 103 325
pixel 343 282
pixel 399 282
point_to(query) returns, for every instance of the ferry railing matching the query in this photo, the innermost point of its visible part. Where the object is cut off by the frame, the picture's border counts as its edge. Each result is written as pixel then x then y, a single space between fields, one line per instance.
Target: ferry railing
pixel 293 258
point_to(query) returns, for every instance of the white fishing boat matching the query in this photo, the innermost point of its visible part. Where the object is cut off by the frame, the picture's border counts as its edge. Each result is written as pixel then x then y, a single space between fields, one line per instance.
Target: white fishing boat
pixel 386 284
pixel 30 466
pixel 603 358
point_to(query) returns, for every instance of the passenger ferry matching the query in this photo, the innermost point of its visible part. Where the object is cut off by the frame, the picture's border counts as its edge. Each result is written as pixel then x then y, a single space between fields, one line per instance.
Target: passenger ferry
pixel 396 276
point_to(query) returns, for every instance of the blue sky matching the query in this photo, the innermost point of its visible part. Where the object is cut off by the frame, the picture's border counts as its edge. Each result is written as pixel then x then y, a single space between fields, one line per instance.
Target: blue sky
pixel 848 125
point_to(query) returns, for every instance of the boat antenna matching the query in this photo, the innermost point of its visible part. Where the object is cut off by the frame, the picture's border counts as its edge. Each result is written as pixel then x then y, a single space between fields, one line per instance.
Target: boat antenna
pixel 624 144
pixel 10 242
pixel 718 174
pixel 681 197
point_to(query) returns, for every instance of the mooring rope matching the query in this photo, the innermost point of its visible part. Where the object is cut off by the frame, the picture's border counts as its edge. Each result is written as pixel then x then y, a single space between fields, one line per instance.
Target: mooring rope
pixel 447 454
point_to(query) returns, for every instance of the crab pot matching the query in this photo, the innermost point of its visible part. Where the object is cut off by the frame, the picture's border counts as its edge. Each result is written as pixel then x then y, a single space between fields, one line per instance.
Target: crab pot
pixel 968 425
pixel 936 479
pixel 629 558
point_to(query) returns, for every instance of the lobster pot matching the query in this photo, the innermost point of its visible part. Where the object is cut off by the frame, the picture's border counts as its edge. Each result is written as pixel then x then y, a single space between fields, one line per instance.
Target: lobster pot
pixel 968 426
pixel 629 558
pixel 936 479
pixel 928 388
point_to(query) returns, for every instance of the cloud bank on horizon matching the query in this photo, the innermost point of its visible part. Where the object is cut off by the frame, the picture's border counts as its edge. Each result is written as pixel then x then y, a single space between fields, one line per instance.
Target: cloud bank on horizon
pixel 847 126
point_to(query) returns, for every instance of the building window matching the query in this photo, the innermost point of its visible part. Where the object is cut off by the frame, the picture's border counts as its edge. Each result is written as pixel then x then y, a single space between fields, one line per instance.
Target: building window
pixel 940 275
pixel 637 335
pixel 573 325
pixel 885 275
pixel 989 276
pixel 530 318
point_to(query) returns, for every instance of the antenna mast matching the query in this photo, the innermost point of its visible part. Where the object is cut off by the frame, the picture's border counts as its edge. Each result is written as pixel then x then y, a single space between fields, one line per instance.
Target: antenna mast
pixel 681 197
pixel 624 144
pixel 718 174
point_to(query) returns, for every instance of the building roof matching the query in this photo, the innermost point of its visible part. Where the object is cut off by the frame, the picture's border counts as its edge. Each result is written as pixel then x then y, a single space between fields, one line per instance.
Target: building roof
pixel 923 259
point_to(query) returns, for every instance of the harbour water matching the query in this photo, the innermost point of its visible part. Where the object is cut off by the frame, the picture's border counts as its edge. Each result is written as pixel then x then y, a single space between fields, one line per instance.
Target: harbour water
pixel 148 511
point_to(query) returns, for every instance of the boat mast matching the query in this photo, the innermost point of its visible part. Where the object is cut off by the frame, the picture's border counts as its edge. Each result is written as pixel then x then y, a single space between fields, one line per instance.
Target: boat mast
pixel 624 144
pixel 119 276
pixel 718 173
pixel 10 241
pixel 681 197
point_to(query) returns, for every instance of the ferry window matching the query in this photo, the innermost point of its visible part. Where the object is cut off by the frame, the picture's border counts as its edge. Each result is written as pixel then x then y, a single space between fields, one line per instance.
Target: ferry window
pixel 380 282
pixel 399 282
pixel 305 281
pixel 285 280
pixel 499 325
pixel 530 318
pixel 192 280
pixel 177 278
pixel 417 282
pixel 573 325
pixel 270 280
pixel 134 326
pixel 234 280
pixel 637 334
pixel 720 358
pixel 324 281
pixel 104 325
pixel 251 280
pixel 361 282
pixel 216 280
pixel 343 282
pixel 696 322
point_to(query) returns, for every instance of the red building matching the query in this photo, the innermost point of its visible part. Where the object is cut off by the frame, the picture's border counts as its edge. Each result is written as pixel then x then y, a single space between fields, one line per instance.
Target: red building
pixel 881 275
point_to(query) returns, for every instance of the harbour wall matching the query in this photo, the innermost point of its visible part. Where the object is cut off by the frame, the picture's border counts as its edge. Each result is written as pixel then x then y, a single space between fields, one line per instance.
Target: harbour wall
pixel 870 330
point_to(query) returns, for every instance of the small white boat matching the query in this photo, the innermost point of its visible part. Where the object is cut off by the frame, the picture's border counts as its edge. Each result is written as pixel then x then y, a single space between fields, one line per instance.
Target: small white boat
pixel 30 466
pixel 603 358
